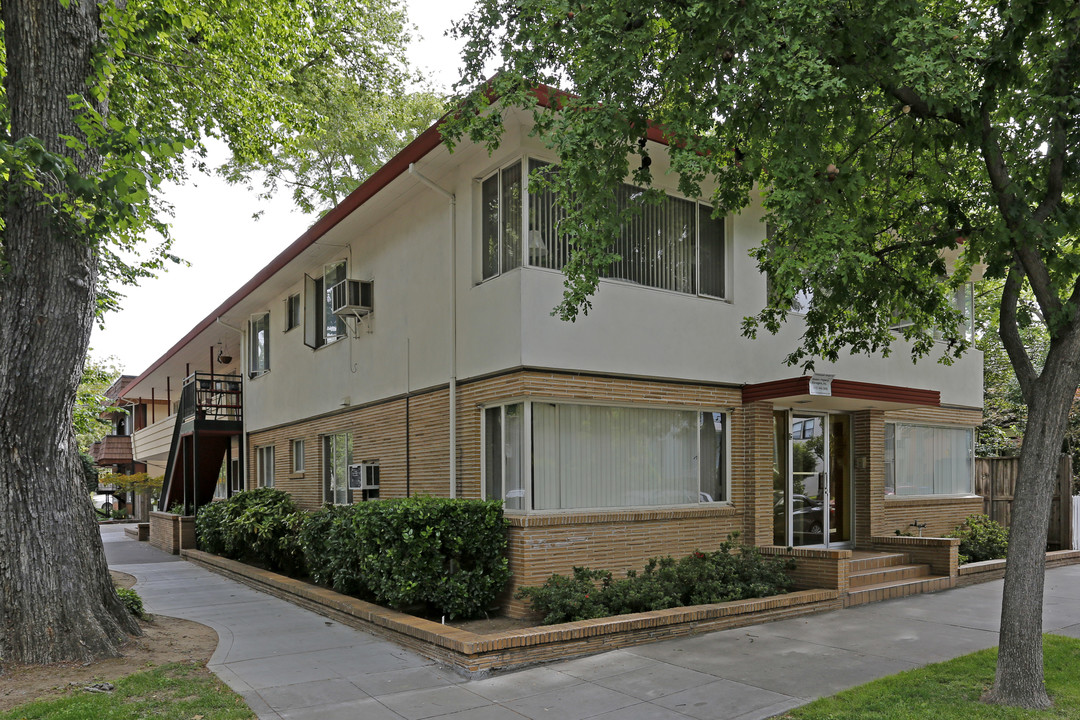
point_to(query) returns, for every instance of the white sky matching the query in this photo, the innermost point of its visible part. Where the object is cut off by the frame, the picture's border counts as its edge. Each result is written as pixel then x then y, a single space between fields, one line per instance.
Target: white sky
pixel 214 231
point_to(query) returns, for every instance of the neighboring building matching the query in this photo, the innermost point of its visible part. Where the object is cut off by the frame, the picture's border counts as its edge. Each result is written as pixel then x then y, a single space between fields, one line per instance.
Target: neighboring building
pixel 650 426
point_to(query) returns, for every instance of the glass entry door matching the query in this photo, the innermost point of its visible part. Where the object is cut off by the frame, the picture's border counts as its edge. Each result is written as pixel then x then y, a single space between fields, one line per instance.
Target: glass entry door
pixel 811 479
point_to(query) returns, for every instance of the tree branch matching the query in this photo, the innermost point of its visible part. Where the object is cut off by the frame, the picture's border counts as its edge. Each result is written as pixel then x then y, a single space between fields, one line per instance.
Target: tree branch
pixel 1009 332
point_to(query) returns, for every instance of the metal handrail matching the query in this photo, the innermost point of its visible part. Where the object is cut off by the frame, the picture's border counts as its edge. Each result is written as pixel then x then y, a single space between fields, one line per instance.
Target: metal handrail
pixel 209 396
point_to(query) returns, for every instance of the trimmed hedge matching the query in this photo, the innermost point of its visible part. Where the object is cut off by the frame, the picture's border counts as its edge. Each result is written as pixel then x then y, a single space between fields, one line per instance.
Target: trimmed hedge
pixel 731 572
pixel 261 526
pixel 448 556
pixel 443 556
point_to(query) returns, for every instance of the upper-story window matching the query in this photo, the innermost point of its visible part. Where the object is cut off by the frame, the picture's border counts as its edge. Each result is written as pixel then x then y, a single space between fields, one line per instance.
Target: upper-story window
pixel 292 312
pixel 321 325
pixel 259 338
pixel 501 224
pixel 673 245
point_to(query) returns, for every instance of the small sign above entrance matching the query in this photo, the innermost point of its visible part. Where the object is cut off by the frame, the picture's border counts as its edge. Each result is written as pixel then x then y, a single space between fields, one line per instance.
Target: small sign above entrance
pixel 821 385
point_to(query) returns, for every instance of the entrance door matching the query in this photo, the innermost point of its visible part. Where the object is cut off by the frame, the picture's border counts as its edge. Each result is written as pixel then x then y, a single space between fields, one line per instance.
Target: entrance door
pixel 811 479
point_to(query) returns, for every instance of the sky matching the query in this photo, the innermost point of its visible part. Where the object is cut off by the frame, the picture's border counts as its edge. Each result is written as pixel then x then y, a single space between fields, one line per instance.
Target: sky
pixel 214 232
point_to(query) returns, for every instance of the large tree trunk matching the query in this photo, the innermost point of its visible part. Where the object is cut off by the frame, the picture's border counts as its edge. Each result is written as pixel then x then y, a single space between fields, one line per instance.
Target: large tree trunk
pixel 1019 678
pixel 56 599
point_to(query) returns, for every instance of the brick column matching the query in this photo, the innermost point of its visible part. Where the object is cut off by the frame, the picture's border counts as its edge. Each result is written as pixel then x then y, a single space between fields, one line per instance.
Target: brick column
pixel 869 429
pixel 757 473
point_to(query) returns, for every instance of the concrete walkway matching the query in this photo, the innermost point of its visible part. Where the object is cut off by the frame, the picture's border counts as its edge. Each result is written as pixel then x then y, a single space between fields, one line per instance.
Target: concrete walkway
pixel 288 662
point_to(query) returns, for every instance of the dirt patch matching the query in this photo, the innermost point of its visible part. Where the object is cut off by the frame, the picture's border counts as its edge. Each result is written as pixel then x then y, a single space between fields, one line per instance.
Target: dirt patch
pixel 491 625
pixel 164 640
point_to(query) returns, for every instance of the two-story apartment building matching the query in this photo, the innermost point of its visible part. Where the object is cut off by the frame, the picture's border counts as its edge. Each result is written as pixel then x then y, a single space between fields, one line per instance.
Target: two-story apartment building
pixel 650 426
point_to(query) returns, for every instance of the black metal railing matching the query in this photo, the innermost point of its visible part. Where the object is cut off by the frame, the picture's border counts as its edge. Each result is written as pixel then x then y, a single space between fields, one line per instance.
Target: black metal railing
pixel 207 396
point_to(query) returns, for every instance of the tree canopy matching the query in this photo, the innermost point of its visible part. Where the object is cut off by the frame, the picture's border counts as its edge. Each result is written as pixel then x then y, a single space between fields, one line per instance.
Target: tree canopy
pixel 882 136
pixel 101 103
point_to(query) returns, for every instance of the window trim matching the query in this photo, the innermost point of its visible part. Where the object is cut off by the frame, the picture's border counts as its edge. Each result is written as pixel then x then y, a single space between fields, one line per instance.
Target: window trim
pixel 895 496
pixel 261 475
pixel 316 304
pixel 329 494
pixel 263 319
pixel 294 445
pixel 289 324
pixel 527 451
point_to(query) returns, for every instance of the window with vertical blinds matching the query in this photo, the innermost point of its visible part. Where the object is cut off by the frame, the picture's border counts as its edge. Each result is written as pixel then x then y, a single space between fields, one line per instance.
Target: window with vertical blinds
pixel 585 456
pixel 675 244
pixel 928 460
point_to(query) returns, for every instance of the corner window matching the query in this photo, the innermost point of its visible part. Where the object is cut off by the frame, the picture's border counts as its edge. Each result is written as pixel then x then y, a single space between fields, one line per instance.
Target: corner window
pixel 259 339
pixel 337 452
pixel 501 221
pixel 583 456
pixel 264 466
pixel 675 244
pixel 928 460
pixel 292 312
pixel 297 456
pixel 321 326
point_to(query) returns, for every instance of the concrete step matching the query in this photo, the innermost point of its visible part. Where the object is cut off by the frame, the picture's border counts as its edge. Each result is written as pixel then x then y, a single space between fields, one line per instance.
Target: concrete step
pixel 885 575
pixel 888 591
pixel 872 561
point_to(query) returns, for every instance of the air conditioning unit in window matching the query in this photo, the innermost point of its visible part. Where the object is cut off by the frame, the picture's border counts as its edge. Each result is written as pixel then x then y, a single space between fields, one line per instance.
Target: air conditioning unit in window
pixel 354 298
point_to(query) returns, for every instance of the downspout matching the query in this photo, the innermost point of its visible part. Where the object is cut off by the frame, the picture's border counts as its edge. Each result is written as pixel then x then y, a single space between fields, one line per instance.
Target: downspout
pixel 243 413
pixel 453 322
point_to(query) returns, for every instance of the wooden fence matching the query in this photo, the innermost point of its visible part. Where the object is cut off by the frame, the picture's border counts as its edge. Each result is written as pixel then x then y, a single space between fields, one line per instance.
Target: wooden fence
pixel 995 481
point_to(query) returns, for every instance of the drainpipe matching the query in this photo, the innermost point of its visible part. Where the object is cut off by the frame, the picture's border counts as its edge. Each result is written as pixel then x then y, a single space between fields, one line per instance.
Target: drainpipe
pixel 243 414
pixel 453 322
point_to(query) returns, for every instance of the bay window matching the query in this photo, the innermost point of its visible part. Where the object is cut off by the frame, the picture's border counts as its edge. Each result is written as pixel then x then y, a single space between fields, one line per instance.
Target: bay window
pixel 675 244
pixel 928 460
pixel 560 456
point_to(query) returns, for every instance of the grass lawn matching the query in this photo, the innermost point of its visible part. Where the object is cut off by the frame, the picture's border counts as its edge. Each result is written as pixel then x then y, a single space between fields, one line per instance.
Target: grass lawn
pixel 177 692
pixel 951 690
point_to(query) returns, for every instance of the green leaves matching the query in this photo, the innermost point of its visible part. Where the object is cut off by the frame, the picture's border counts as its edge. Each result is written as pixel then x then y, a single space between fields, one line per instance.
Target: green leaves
pixel 942 119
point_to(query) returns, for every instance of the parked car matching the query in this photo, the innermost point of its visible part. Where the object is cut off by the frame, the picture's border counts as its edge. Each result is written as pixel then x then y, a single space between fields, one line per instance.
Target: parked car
pixel 807 514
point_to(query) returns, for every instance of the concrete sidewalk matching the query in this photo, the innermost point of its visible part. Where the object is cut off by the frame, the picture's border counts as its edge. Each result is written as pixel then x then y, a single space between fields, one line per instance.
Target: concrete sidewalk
pixel 288 662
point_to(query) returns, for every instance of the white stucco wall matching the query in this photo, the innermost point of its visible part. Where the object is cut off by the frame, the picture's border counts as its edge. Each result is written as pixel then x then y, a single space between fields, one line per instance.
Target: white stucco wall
pixel 401 241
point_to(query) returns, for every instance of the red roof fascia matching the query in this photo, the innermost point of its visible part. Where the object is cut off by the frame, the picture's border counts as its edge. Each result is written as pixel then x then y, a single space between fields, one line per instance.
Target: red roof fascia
pixel 424 143
pixel 851 389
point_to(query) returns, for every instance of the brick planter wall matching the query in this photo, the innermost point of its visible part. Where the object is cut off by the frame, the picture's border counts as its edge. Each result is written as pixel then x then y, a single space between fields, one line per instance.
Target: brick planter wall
pixel 815 567
pixel 172 533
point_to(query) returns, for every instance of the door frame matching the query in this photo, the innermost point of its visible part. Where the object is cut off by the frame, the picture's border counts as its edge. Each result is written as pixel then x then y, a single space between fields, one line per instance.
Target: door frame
pixel 826 418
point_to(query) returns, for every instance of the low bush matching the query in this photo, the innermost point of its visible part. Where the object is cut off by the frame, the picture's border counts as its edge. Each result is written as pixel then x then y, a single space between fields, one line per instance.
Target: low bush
pixel 981 539
pixel 731 572
pixel 261 525
pixel 446 556
pixel 131 601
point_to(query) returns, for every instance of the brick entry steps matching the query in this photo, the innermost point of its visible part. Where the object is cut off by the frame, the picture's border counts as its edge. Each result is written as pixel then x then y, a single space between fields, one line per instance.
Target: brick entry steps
pixel 874 576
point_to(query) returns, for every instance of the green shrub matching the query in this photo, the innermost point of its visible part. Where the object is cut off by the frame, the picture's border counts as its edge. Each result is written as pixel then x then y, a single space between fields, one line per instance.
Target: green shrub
pixel 564 599
pixel 260 525
pixel 731 572
pixel 981 539
pixel 448 556
pixel 131 601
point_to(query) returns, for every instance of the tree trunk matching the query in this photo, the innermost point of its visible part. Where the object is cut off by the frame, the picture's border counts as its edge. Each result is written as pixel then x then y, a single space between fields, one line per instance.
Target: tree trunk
pixel 56 599
pixel 1019 678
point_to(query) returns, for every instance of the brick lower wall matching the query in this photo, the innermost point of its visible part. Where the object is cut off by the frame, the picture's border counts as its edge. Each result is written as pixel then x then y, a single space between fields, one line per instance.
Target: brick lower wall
pixel 941 515
pixel 542 545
